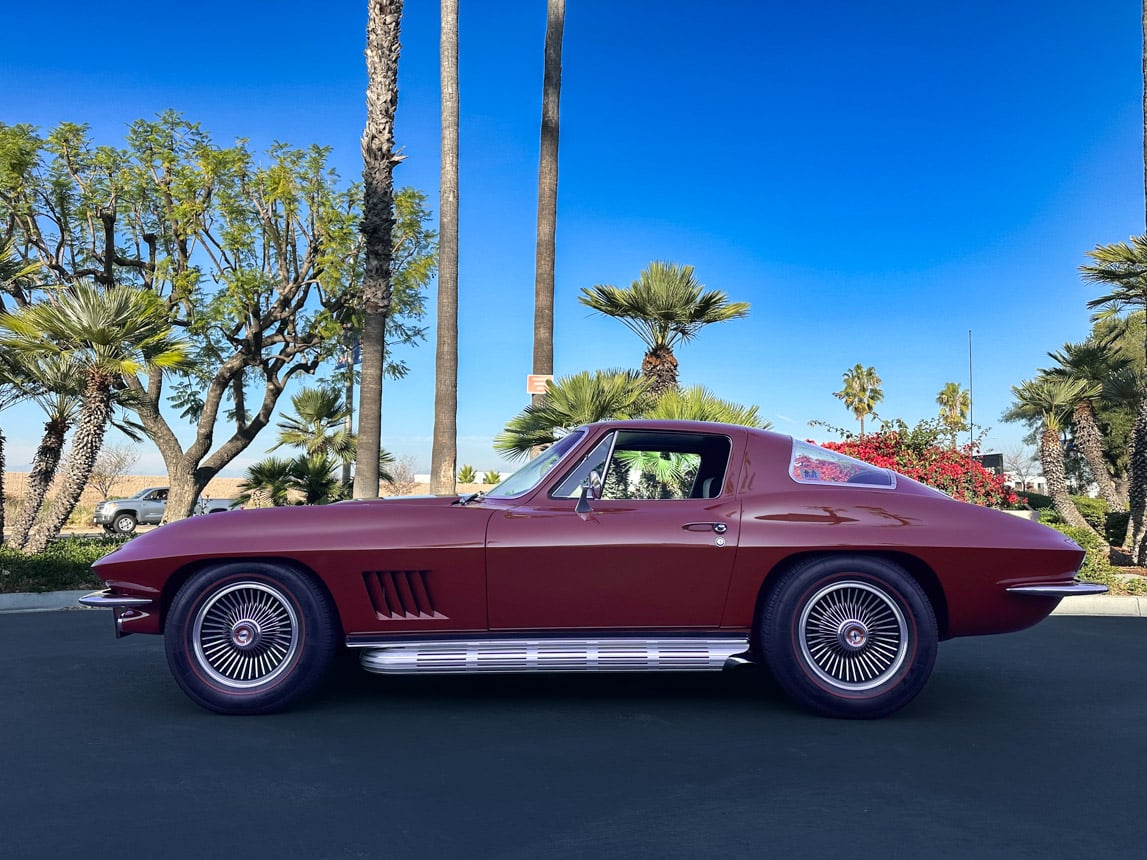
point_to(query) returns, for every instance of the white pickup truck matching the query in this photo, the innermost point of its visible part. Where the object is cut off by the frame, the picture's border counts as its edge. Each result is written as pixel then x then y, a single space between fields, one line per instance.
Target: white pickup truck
pixel 121 516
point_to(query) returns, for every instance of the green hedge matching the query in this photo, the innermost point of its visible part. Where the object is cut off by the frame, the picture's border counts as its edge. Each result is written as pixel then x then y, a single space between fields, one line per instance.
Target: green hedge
pixel 64 566
pixel 1113 526
pixel 1096 564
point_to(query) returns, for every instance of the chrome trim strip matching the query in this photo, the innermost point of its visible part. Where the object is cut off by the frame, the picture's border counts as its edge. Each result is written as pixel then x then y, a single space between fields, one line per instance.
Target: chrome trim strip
pixel 1075 589
pixel 612 654
pixel 105 599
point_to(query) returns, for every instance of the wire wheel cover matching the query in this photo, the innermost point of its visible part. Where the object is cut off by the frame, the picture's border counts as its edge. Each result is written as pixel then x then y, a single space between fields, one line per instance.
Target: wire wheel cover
pixel 246 634
pixel 853 635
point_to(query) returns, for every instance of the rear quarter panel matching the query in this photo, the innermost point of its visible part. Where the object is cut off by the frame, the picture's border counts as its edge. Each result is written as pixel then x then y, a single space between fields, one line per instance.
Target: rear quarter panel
pixel 973 554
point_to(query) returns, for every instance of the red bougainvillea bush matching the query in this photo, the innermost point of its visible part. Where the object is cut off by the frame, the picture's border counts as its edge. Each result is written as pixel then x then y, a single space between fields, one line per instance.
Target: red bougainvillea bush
pixel 919 454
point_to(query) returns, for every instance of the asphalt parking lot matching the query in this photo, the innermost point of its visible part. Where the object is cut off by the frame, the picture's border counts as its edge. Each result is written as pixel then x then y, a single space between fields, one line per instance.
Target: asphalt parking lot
pixel 1026 745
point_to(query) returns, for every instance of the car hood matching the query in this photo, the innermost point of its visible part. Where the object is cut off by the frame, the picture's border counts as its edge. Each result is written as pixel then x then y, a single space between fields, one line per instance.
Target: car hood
pixel 366 524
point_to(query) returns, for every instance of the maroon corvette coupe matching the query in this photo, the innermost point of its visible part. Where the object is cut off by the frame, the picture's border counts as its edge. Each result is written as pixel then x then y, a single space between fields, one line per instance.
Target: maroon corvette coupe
pixel 627 546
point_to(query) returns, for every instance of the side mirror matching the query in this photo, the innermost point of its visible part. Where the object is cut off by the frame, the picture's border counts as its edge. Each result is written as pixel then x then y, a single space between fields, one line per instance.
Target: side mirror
pixel 591 489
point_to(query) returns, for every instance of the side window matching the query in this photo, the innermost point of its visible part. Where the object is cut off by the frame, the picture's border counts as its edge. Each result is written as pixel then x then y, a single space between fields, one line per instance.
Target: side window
pixel 653 465
pixel 594 461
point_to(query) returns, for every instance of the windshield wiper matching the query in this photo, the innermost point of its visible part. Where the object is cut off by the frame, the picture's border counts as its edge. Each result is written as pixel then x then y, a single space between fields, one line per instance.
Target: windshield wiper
pixel 470 497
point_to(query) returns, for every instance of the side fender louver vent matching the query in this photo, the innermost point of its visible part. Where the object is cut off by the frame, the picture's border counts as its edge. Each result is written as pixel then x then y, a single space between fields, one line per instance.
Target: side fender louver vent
pixel 399 594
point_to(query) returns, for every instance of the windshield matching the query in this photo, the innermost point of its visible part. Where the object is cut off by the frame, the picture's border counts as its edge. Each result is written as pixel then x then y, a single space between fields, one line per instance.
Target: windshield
pixel 531 474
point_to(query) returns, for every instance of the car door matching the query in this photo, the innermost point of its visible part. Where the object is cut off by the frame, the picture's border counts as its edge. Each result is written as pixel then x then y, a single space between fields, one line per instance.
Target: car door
pixel 152 506
pixel 640 557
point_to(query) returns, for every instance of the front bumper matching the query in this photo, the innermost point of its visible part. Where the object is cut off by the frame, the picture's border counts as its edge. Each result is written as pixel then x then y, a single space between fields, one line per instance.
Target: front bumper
pixel 1073 589
pixel 125 609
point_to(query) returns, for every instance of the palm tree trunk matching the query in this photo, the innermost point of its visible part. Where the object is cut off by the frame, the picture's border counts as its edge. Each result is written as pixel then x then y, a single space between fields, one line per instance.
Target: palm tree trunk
pixel 1 487
pixel 44 466
pixel 548 193
pixel 379 159
pixel 444 450
pixel 1051 455
pixel 86 442
pixel 1089 438
pixel 1137 492
pixel 660 367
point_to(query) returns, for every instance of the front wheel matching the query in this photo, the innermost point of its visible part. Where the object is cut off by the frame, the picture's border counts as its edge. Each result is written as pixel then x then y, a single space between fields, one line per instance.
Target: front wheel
pixel 850 636
pixel 124 524
pixel 249 637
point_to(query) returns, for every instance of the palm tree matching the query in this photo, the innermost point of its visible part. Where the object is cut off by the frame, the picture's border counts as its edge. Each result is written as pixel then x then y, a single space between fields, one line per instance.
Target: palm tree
pixel 697 403
pixel 14 275
pixel 546 253
pixel 379 159
pixel 665 307
pixel 318 425
pixel 1095 362
pixel 57 391
pixel 1123 268
pixel 270 478
pixel 109 333
pixel 861 392
pixel 1050 402
pixel 444 448
pixel 13 388
pixel 315 477
pixel 954 403
pixel 570 402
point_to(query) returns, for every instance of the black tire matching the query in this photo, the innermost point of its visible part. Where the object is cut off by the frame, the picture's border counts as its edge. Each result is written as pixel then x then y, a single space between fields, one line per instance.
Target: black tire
pixel 124 524
pixel 849 636
pixel 250 637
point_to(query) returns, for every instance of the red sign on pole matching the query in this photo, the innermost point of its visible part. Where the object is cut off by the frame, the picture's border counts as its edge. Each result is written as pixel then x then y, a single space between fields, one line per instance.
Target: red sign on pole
pixel 538 383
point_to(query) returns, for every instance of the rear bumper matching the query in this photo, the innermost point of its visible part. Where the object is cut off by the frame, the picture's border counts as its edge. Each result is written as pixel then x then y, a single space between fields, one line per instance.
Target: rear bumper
pixel 1073 589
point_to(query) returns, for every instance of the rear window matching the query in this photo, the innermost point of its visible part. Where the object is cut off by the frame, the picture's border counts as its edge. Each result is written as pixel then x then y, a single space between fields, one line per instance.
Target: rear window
pixel 812 464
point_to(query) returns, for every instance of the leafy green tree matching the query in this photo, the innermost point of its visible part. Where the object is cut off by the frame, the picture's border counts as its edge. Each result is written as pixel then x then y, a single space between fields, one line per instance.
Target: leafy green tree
pixel 665 307
pixel 1051 402
pixel 384 18
pixel 251 260
pixel 111 334
pixel 491 477
pixel 467 475
pixel 955 403
pixel 861 392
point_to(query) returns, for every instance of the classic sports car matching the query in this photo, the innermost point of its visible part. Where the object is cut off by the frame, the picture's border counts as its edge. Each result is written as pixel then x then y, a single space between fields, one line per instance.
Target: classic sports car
pixel 626 546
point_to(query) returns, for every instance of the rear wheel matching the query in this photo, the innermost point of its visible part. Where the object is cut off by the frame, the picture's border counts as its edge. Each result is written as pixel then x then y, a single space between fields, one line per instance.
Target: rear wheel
pixel 850 636
pixel 249 637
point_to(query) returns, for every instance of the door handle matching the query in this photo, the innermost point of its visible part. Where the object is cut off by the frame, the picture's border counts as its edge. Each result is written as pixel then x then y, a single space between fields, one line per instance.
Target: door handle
pixel 719 528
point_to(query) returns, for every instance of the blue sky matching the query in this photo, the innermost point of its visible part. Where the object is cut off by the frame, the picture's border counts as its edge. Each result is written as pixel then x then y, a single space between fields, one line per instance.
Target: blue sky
pixel 876 179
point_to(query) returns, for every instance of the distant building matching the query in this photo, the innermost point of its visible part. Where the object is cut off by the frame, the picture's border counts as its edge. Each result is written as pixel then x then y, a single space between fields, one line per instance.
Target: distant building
pixel 994 463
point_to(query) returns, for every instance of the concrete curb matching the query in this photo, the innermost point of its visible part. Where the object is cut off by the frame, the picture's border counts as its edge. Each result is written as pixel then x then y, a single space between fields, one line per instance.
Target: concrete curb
pixel 47 601
pixel 1104 604
pixel 1098 605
